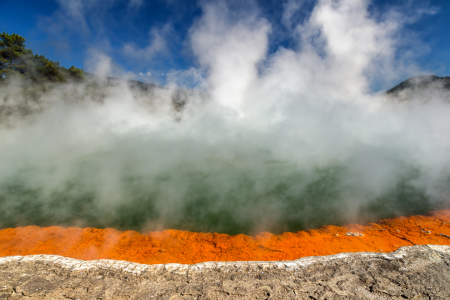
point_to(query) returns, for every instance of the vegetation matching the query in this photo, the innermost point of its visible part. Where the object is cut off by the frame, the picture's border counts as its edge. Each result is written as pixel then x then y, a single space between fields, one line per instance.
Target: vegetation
pixel 16 60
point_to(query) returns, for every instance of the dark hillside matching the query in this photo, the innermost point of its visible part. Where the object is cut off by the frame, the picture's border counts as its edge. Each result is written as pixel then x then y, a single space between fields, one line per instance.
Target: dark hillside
pixel 420 82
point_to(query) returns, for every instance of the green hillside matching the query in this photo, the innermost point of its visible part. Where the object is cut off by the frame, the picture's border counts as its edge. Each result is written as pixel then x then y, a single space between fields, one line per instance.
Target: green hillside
pixel 16 60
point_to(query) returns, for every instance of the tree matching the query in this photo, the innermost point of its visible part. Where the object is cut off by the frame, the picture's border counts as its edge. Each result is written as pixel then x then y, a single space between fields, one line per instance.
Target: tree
pixel 12 54
pixel 16 60
pixel 41 68
pixel 75 73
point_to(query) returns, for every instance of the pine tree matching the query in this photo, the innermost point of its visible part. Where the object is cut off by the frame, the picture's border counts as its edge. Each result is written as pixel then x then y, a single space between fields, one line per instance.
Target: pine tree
pixel 12 54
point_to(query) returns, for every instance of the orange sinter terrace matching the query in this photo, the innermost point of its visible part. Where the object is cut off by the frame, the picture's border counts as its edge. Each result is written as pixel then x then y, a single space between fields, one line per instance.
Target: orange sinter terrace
pixel 175 246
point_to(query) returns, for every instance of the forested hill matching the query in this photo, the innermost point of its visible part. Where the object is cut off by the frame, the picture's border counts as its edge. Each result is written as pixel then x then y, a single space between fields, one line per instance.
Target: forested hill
pixel 16 60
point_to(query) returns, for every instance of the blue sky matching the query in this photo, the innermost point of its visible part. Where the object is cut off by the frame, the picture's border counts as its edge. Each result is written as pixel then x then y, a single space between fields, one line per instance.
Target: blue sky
pixel 152 37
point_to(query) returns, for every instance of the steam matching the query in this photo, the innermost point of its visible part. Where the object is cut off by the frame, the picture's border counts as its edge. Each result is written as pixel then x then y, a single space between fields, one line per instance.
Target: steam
pixel 249 141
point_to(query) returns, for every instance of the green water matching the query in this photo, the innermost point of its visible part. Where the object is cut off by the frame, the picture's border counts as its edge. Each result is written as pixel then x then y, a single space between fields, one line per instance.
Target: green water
pixel 273 196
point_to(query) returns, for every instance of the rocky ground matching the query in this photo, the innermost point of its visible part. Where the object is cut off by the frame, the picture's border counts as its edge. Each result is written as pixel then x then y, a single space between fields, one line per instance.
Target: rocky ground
pixel 415 272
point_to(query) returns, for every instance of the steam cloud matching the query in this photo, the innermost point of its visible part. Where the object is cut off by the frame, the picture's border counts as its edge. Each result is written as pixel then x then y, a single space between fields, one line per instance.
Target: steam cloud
pixel 255 141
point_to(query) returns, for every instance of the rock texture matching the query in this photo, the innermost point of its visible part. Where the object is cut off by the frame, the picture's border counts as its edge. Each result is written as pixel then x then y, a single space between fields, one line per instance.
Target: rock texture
pixel 414 272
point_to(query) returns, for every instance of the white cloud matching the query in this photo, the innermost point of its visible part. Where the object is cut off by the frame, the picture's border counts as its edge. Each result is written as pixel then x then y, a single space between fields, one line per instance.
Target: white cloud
pixel 77 16
pixel 147 74
pixel 157 45
pixel 290 8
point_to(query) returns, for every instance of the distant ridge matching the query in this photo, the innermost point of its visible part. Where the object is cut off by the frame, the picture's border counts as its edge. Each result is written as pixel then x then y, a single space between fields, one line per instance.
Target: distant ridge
pixel 420 82
pixel 133 83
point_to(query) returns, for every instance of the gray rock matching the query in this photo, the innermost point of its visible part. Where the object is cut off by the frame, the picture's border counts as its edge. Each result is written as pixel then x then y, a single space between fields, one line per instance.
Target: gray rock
pixel 415 272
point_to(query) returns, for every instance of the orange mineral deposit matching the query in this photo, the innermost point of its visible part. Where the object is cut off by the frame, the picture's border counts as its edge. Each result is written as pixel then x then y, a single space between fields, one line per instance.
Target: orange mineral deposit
pixel 175 246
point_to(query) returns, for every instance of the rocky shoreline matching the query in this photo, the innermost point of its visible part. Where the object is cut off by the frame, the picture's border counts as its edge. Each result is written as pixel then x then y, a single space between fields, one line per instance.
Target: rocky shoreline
pixel 413 272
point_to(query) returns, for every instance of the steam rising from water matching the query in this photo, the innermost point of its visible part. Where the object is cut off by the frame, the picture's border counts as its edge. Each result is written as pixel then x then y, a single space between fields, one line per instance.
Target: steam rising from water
pixel 277 142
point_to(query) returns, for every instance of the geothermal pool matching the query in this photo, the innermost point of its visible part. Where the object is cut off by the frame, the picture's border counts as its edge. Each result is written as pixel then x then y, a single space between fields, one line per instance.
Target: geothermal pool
pixel 282 141
pixel 129 176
